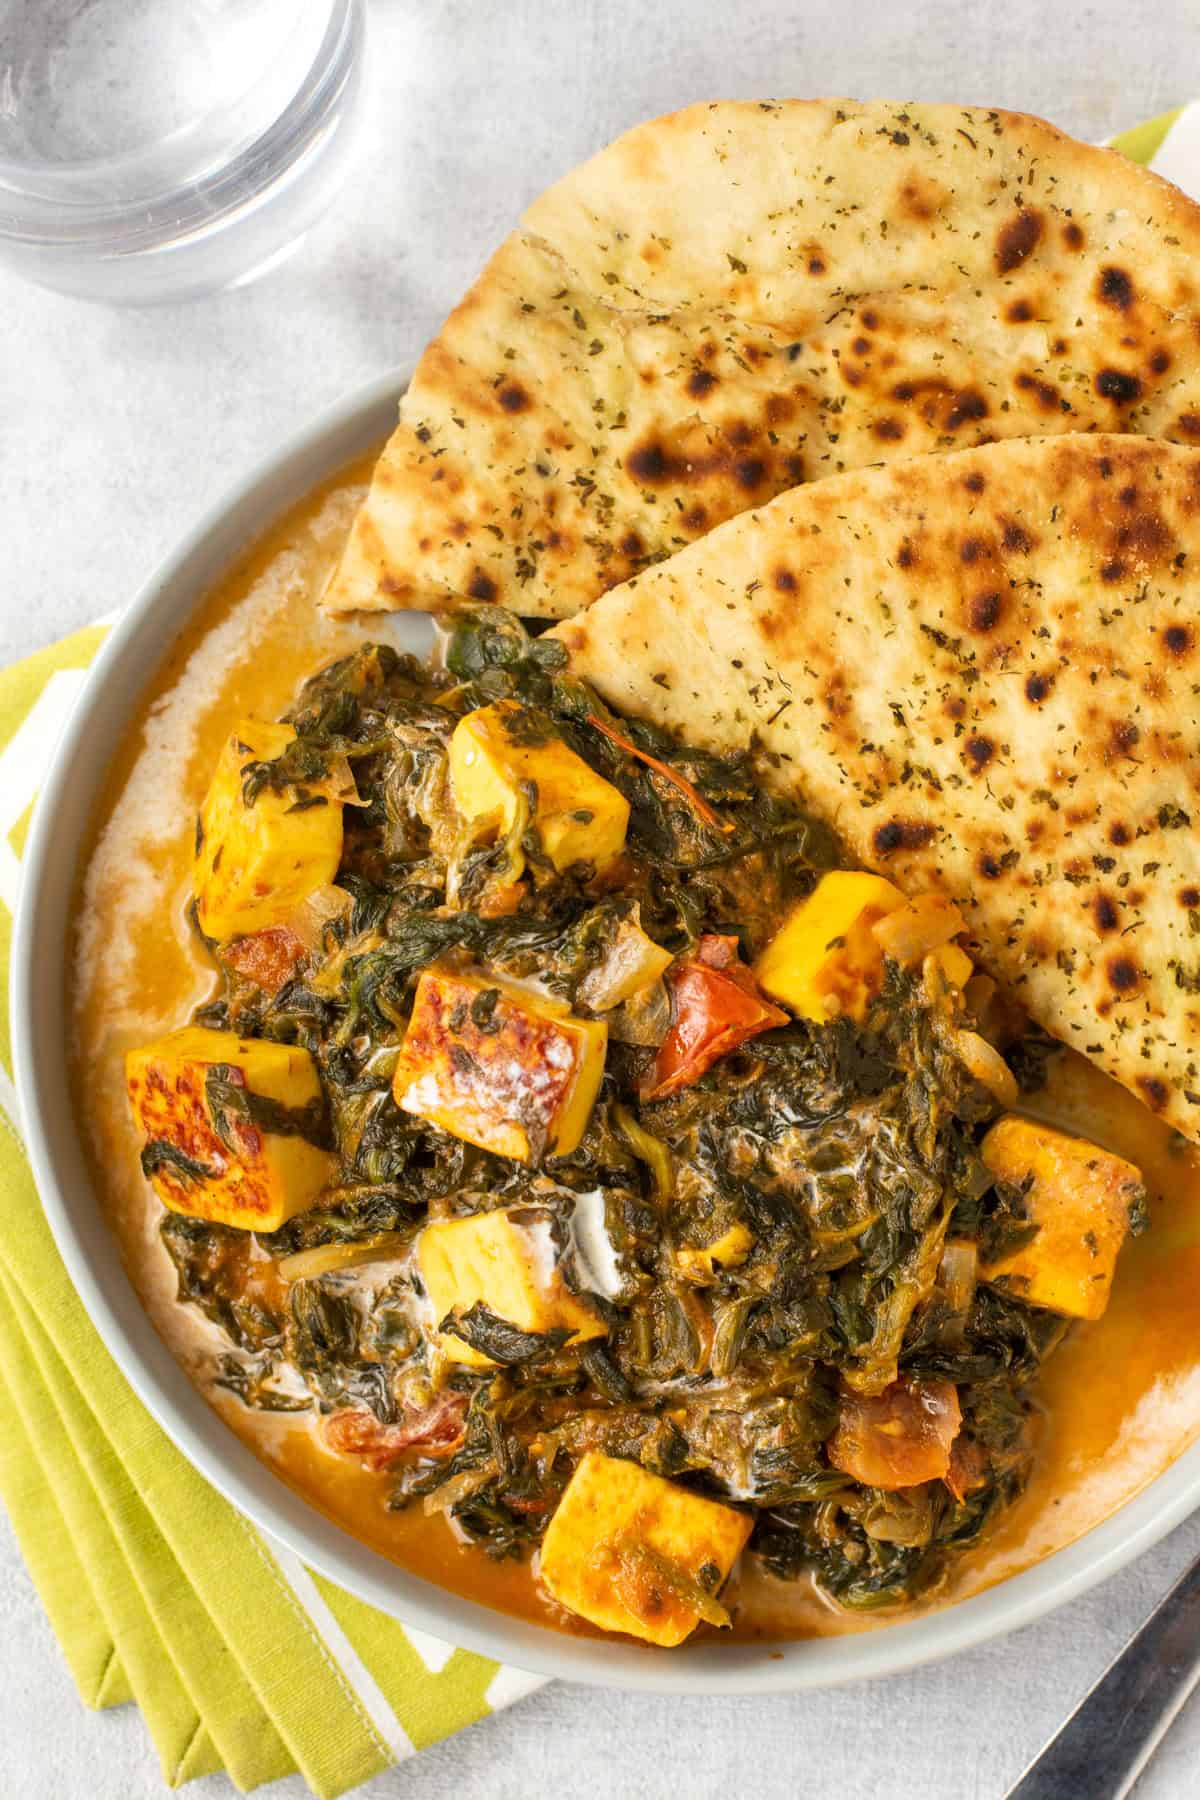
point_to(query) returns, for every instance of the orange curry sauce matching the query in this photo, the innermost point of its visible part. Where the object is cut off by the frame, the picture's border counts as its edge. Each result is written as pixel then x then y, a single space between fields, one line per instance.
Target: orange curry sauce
pixel 1120 1398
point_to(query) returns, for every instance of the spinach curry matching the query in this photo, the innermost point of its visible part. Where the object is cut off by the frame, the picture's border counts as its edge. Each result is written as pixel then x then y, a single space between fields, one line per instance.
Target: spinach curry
pixel 576 1178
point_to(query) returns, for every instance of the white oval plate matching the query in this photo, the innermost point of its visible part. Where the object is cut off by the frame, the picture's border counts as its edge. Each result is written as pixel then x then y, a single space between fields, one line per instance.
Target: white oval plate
pixel 122 671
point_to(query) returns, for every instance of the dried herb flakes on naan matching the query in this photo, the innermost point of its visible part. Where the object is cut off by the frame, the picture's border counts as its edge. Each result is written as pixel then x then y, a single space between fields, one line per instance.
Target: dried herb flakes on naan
pixel 743 296
pixel 982 670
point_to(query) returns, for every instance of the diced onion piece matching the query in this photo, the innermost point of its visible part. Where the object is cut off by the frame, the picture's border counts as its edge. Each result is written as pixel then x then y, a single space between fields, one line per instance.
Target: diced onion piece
pixel 945 973
pixel 459 1487
pixel 314 912
pixel 632 961
pixel 338 781
pixel 925 923
pixel 959 1273
pixel 899 1438
pixel 323 1259
pixel 985 1063
pixel 644 1019
pixel 979 993
pixel 999 1015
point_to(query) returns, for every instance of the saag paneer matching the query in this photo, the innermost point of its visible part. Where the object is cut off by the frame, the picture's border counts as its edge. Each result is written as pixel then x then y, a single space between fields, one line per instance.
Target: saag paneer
pixel 580 1143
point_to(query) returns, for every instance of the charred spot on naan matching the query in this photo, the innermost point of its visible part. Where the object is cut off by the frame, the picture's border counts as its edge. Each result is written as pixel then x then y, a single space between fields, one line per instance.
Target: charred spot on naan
pixel 920 198
pixel 1118 385
pixel 1017 239
pixel 1114 287
pixel 1047 397
pixel 1015 537
pixel 898 834
pixel 978 752
pixel 939 404
pixel 729 463
pixel 984 611
pixel 1106 914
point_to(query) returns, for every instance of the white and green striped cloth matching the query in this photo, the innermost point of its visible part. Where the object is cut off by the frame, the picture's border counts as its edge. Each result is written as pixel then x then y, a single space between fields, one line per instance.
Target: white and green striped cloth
pixel 159 1592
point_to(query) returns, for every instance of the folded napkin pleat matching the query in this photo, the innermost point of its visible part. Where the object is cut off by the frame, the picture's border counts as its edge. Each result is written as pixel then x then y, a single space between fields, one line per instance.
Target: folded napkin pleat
pixel 201 1571
pixel 44 1494
pixel 158 1591
pixel 165 1619
pixel 167 1707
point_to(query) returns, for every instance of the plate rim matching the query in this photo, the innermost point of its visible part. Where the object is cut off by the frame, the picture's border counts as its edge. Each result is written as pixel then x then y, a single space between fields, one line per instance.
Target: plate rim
pixel 125 664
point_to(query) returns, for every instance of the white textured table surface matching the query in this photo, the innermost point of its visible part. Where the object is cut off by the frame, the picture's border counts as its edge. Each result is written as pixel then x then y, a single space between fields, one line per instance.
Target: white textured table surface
pixel 116 429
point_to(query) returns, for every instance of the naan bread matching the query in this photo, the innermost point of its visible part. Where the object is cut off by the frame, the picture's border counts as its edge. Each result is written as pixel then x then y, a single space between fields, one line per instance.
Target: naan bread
pixel 742 296
pixel 982 669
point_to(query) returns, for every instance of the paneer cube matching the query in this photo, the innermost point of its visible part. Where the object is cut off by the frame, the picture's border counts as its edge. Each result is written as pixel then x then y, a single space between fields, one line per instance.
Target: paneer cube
pixel 502 1066
pixel 496 750
pixel 630 1552
pixel 824 961
pixel 224 1120
pixel 256 861
pixel 1081 1199
pixel 506 1261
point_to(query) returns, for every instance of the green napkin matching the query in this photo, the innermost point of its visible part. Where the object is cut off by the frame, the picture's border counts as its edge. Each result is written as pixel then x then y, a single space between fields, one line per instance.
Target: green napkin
pixel 158 1591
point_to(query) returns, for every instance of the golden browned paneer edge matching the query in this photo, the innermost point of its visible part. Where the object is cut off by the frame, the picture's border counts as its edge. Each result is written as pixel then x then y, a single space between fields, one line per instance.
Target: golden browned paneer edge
pixel 523 1080
pixel 745 295
pixel 981 670
pixel 226 1169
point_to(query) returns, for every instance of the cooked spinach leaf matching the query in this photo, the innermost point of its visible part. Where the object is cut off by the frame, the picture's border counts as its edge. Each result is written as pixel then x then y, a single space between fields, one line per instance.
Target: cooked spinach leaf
pixel 836 1160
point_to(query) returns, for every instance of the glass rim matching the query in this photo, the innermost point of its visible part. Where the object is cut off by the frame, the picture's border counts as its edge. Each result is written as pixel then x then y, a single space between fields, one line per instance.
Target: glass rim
pixel 51 206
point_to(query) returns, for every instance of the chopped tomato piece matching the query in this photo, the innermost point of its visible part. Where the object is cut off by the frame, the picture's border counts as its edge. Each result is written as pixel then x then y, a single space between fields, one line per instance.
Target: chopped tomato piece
pixel 715 1006
pixel 437 1430
pixel 968 1467
pixel 268 957
pixel 899 1438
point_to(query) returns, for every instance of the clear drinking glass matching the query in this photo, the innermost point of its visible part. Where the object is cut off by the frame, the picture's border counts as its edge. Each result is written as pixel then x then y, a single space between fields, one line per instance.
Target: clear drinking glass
pixel 156 149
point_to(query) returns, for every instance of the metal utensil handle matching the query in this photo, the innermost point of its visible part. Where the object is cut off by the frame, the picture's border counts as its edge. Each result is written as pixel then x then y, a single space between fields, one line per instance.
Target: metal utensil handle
pixel 1116 1728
